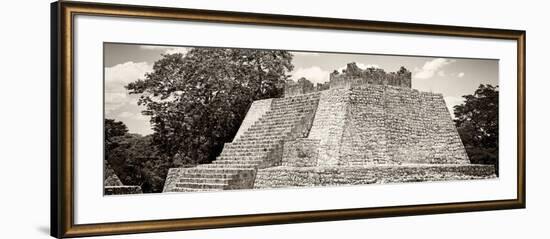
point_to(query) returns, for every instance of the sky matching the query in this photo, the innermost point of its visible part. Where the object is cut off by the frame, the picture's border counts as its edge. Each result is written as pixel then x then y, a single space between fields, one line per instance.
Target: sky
pixel 452 77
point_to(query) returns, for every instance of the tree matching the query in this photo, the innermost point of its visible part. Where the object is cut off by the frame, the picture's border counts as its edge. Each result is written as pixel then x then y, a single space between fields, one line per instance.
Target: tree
pixel 197 101
pixel 477 124
pixel 133 158
pixel 113 131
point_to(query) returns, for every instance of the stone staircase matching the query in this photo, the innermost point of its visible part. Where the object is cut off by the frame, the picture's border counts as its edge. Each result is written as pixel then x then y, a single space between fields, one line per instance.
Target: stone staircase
pixel 260 146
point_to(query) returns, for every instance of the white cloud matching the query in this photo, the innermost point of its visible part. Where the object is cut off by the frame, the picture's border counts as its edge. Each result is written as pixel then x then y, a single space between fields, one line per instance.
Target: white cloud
pixel 151 47
pixel 182 50
pixel 126 114
pixel 430 68
pixel 314 74
pixel 451 101
pixel 119 104
pixel 166 49
pixel 461 74
pixel 441 73
pixel 118 76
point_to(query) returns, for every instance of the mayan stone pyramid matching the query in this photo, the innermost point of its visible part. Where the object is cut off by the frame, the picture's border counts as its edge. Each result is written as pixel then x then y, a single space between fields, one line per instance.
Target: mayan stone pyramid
pixel 365 126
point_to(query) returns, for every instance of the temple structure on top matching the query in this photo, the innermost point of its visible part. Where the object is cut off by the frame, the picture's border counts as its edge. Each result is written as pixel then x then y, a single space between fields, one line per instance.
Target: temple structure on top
pixel 352 76
pixel 364 126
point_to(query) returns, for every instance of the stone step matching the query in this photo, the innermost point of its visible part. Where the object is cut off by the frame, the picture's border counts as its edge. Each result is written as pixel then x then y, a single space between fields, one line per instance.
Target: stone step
pixel 260 129
pixel 220 186
pixel 201 169
pixel 256 135
pixel 283 120
pixel 251 137
pixel 269 132
pixel 249 154
pixel 245 153
pixel 243 149
pixel 183 189
pixel 227 161
pixel 220 180
pixel 287 111
pixel 248 145
pixel 293 107
pixel 279 121
pixel 283 114
pixel 293 104
pixel 240 158
pixel 297 99
pixel 288 100
pixel 210 174
pixel 235 165
pixel 274 125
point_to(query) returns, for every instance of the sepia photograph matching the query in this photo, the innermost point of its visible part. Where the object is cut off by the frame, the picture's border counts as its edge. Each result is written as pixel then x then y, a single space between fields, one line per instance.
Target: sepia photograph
pixel 172 118
pixel 199 119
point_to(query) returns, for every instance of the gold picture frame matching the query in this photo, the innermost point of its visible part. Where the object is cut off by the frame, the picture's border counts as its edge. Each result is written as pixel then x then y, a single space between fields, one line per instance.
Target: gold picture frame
pixel 62 123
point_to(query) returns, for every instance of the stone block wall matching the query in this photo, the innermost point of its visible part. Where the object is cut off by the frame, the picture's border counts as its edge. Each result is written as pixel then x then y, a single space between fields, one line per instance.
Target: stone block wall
pixel 420 128
pixel 376 124
pixel 283 177
pixel 364 140
pixel 301 153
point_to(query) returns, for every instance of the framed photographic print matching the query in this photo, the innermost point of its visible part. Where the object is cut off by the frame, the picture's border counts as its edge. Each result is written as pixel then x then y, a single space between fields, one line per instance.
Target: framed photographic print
pixel 172 119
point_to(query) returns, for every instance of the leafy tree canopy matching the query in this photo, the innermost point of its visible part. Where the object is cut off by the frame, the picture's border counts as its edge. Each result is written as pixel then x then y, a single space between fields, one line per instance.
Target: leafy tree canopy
pixel 477 124
pixel 197 101
pixel 133 158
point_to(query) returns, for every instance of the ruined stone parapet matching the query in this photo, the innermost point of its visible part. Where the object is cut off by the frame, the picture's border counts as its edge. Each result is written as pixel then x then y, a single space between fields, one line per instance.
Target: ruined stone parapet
pixel 354 76
pixel 351 77
pixel 302 86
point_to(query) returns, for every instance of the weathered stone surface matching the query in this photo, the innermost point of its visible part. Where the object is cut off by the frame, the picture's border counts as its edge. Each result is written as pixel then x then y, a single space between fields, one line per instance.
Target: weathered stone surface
pixel 389 125
pixel 282 177
pixel 328 125
pixel 301 153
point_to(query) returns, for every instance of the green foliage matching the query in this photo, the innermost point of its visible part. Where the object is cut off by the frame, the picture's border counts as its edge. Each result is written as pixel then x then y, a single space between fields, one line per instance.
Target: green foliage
pixel 113 131
pixel 197 101
pixel 133 158
pixel 477 124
